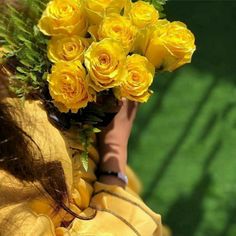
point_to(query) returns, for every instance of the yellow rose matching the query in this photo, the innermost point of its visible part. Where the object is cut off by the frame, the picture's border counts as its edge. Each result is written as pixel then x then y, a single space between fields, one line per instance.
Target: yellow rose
pixel 120 29
pixel 170 45
pixel 140 76
pixel 97 9
pixel 68 86
pixel 105 62
pixel 63 18
pixel 67 48
pixel 143 14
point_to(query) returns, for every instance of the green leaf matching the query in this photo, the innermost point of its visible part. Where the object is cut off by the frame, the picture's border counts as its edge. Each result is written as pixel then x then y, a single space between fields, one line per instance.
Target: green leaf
pixel 96 130
pixel 12 10
pixel 25 63
pixel 10 41
pixel 22 70
pixel 34 78
pixel 158 4
pixel 84 159
pixel 161 2
pixel 19 77
pixel 23 39
pixel 36 31
pixel 45 76
pixel 18 20
pixel 2 27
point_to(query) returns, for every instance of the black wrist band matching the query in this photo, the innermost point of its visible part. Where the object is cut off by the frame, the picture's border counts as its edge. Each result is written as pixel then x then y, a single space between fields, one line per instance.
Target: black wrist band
pixel 119 175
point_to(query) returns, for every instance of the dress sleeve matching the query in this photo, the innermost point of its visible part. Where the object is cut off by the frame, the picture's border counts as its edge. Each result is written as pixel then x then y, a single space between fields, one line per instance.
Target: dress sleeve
pixel 119 212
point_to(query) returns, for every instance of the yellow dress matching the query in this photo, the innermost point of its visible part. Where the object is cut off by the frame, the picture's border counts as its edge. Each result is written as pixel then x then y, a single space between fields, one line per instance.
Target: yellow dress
pixel 25 210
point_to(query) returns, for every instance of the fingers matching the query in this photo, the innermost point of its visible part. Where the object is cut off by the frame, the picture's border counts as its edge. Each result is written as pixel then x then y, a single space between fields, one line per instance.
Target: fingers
pixel 132 110
pixel 128 109
pixel 121 126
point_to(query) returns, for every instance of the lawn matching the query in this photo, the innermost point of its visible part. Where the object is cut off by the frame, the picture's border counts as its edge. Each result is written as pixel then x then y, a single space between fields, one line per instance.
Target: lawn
pixel 183 145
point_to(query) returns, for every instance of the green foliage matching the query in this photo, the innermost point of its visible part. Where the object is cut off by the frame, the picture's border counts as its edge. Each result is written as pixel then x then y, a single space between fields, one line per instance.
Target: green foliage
pixel 35 8
pixel 25 46
pixel 86 138
pixel 84 160
pixel 158 4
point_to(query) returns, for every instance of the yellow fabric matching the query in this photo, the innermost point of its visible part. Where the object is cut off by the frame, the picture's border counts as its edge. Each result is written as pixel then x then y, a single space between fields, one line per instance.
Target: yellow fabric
pixel 26 210
pixel 134 183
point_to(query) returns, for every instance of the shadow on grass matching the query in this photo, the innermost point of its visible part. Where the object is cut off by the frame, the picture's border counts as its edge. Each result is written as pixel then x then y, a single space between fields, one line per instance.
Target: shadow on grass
pixel 185 214
pixel 212 24
pixel 169 157
pixel 144 120
pixel 231 219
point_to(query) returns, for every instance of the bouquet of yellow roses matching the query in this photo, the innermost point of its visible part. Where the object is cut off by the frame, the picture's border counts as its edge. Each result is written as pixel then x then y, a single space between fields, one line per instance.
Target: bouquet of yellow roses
pixel 81 56
pixel 99 45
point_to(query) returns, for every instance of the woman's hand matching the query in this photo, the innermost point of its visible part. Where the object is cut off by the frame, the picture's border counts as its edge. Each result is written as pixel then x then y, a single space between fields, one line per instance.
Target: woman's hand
pixel 113 142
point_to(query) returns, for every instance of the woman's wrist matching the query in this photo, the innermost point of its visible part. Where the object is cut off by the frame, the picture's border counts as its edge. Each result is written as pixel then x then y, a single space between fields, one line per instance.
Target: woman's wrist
pixel 113 143
pixel 113 161
pixel 111 180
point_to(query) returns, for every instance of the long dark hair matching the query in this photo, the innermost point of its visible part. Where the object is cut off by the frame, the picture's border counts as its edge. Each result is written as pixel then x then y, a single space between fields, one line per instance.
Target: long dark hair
pixel 27 164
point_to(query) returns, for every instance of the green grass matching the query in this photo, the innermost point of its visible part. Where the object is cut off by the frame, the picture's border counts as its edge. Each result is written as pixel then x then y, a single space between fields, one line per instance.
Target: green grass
pixel 183 145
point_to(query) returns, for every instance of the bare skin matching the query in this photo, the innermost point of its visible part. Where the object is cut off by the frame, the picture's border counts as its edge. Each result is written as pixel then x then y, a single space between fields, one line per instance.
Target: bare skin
pixel 113 143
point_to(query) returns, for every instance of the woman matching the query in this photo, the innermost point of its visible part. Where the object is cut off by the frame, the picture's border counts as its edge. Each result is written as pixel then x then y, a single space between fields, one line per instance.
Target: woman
pixel 44 189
